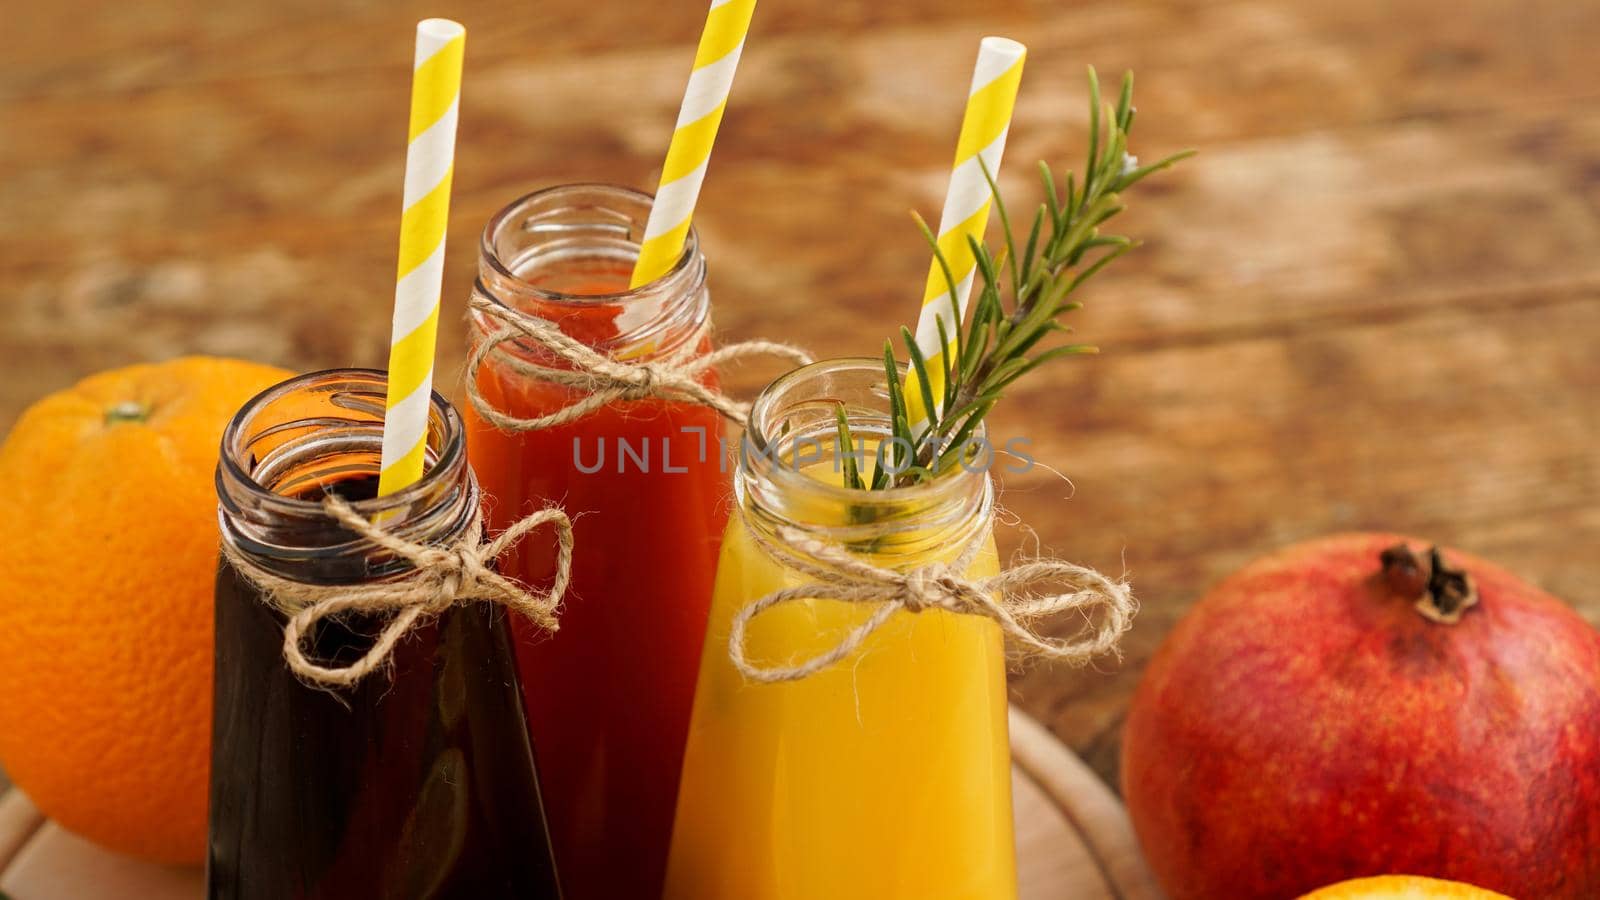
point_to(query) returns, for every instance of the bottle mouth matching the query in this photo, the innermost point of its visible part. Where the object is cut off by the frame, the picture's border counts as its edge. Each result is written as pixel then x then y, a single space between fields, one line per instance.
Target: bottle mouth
pixel 586 214
pixel 566 254
pixel 294 443
pixel 790 461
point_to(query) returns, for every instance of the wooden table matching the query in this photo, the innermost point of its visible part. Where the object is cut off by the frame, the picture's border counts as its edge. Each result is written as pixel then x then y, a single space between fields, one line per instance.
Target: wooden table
pixel 1370 303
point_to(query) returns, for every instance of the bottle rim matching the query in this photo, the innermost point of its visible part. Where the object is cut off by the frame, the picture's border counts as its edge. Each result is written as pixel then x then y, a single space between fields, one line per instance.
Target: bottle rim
pixel 491 255
pixel 542 235
pixel 285 532
pixel 779 493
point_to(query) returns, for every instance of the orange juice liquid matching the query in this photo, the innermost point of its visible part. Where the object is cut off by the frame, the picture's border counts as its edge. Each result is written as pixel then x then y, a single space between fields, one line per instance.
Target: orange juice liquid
pixel 885 776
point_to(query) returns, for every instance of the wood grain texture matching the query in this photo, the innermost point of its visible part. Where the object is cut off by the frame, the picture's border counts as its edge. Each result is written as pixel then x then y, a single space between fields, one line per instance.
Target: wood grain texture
pixel 1371 302
pixel 19 821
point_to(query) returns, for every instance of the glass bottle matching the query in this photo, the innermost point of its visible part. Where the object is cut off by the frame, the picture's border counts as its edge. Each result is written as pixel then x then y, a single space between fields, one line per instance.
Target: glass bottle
pixel 608 702
pixel 887 774
pixel 420 780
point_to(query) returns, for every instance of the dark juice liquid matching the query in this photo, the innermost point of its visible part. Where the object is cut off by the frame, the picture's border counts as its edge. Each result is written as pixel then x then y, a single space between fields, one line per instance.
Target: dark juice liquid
pixel 418 783
pixel 609 697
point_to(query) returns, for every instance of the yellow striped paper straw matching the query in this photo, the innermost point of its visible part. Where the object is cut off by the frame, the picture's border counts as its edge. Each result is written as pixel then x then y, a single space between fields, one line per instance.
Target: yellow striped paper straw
pixel 703 103
pixel 430 161
pixel 966 204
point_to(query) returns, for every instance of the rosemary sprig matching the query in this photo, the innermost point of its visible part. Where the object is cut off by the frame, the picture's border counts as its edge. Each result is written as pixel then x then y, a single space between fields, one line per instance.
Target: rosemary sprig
pixel 1023 291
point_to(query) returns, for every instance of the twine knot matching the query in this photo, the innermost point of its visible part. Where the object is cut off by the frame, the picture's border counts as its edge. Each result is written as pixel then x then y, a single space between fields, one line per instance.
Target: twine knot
pixel 441 576
pixel 602 378
pixel 1106 605
pixel 935 586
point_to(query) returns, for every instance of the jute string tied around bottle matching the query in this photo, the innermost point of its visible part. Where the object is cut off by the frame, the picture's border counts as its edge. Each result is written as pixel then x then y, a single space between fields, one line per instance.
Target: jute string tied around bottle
pixel 1107 605
pixel 604 379
pixel 441 576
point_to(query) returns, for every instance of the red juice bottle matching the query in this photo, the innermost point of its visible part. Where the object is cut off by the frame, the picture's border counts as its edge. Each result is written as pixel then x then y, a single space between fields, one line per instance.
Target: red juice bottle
pixel 609 696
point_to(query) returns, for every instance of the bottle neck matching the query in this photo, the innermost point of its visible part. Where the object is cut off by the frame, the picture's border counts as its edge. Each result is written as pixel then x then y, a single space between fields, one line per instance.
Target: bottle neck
pixel 294 444
pixel 566 254
pixel 790 472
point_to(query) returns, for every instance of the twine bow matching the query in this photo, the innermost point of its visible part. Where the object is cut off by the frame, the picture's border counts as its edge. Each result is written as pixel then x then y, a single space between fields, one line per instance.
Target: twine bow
pixel 604 379
pixel 1106 605
pixel 442 576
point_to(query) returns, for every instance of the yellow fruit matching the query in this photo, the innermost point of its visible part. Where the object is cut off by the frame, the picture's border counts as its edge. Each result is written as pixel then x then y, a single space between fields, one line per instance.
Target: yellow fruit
pixel 1402 887
pixel 108 548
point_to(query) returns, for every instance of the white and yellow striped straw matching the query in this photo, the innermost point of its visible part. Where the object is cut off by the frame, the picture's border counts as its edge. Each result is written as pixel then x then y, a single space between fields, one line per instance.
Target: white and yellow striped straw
pixel 967 203
pixel 687 156
pixel 430 162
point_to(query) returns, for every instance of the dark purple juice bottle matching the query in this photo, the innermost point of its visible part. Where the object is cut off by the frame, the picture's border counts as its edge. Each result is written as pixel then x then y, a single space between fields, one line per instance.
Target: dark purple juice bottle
pixel 419 782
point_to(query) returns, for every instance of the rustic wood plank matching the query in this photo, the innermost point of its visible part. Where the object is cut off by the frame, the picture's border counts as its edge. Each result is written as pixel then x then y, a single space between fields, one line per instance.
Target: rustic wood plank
pixel 1469 425
pixel 1092 812
pixel 58 864
pixel 19 821
pixel 1284 227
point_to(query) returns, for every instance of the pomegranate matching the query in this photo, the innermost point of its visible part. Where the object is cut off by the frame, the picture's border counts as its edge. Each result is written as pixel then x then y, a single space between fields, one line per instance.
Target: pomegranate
pixel 1356 706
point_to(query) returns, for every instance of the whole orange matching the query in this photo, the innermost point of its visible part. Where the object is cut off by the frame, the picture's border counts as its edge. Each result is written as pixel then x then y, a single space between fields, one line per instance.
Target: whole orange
pixel 1402 887
pixel 108 549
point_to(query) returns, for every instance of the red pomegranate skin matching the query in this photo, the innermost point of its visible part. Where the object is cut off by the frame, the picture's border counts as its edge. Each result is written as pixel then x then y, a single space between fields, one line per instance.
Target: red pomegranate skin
pixel 1304 724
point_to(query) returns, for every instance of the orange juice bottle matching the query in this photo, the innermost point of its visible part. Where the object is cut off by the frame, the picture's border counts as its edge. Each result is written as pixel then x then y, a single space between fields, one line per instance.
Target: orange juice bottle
pixel 886 775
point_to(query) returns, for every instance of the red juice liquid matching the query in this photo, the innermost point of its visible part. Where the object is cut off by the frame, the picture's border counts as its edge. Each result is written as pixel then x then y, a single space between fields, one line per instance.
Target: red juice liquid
pixel 609 696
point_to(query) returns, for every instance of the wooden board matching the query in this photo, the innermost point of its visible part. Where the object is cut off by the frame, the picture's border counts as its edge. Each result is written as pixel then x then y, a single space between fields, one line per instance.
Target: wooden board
pixel 1073 841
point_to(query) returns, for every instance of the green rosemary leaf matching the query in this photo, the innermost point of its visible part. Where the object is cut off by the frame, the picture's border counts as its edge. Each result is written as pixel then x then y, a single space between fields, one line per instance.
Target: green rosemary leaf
pixel 1002 373
pixel 952 293
pixel 919 365
pixel 902 430
pixel 947 390
pixel 967 412
pixel 1005 224
pixel 969 426
pixel 1094 267
pixel 1112 210
pixel 1028 342
pixel 988 272
pixel 1081 229
pixel 944 264
pixel 1052 201
pixel 988 313
pixel 976 348
pixel 1107 240
pixel 1048 355
pixel 1020 290
pixel 897 388
pixel 1094 132
pixel 1125 103
pixel 1116 157
pixel 1033 319
pixel 1139 174
pixel 880 472
pixel 845 452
